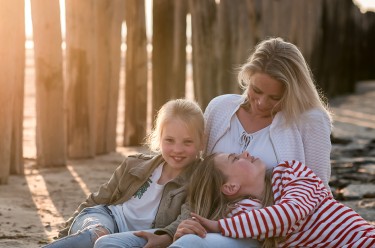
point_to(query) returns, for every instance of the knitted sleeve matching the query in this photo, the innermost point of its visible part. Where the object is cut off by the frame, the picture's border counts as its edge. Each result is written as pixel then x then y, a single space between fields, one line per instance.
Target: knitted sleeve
pixel 315 132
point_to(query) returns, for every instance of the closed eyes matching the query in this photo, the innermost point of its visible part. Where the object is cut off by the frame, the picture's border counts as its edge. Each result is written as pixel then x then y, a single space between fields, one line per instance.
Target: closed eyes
pixel 233 157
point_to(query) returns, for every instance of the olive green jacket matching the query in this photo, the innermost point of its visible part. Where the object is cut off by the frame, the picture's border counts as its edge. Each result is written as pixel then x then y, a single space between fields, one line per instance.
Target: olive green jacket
pixel 125 182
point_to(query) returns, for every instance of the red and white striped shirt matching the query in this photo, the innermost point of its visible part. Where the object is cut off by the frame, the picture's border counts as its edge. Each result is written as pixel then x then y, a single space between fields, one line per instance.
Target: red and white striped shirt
pixel 304 214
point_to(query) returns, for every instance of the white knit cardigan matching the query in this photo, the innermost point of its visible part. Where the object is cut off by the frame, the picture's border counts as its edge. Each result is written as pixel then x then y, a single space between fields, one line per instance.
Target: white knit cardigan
pixel 307 141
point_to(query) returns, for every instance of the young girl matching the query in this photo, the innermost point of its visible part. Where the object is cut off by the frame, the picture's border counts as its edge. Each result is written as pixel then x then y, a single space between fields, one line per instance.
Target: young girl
pixel 287 206
pixel 145 191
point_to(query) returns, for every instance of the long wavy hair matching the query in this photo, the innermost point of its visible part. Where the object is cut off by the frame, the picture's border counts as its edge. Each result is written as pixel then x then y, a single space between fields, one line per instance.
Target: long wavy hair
pixel 284 62
pixel 207 200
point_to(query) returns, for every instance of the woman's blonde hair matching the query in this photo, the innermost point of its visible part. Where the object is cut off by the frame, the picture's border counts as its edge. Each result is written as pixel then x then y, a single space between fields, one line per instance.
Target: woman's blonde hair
pixel 207 200
pixel 284 62
pixel 187 111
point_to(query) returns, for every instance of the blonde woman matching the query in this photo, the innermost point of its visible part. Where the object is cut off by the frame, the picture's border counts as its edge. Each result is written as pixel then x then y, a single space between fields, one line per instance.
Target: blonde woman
pixel 279 117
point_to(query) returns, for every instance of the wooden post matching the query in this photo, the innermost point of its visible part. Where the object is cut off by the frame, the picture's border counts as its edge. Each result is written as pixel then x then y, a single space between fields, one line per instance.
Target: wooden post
pixel 335 55
pixel 80 98
pixel 169 51
pixel 17 164
pixel 236 37
pixel 50 128
pixel 204 42
pixel 108 20
pixel 12 64
pixel 294 21
pixel 178 62
pixel 135 74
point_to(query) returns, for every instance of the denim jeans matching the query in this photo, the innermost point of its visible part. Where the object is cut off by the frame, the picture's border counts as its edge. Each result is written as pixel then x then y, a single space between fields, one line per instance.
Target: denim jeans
pixel 87 227
pixel 123 240
pixel 213 240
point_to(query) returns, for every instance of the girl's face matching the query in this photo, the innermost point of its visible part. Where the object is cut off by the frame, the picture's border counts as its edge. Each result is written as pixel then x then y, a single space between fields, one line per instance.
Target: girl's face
pixel 264 94
pixel 179 146
pixel 241 168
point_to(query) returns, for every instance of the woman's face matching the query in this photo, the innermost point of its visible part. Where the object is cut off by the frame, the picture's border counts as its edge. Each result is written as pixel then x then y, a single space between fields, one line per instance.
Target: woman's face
pixel 265 94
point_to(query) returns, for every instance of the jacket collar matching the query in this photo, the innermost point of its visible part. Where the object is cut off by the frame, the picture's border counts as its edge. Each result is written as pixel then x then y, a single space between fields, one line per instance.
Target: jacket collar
pixel 145 168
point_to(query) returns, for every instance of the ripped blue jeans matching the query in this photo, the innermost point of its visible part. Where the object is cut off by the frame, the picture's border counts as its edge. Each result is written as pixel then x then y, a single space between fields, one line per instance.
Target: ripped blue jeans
pixel 88 226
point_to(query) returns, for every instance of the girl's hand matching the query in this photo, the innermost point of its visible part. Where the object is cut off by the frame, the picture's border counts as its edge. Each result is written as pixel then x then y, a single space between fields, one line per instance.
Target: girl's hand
pixel 210 225
pixel 189 226
pixel 154 240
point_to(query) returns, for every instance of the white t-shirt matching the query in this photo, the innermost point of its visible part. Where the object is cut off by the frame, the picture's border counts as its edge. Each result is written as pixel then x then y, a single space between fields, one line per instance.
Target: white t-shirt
pixel 237 140
pixel 139 212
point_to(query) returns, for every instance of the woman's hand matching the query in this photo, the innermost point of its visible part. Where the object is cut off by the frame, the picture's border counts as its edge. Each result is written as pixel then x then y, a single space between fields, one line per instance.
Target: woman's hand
pixel 154 240
pixel 210 225
pixel 189 226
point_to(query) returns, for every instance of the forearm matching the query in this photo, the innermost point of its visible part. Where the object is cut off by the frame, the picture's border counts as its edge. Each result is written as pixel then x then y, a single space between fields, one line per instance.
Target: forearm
pixel 270 221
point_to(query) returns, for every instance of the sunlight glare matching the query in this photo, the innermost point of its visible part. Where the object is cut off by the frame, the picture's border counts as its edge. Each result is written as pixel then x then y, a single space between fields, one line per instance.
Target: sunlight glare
pixel 46 209
pixel 79 180
pixel 365 5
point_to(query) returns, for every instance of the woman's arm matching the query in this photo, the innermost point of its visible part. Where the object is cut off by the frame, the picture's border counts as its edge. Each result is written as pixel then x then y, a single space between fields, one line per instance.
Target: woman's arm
pixel 316 133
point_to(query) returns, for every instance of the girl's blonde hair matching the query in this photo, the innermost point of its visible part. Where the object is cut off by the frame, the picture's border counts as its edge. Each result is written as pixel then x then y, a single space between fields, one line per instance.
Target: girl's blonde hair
pixel 205 195
pixel 187 111
pixel 284 62
pixel 206 199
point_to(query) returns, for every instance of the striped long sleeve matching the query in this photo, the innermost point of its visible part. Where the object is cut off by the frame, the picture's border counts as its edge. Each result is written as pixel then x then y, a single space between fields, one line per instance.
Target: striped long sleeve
pixel 244 206
pixel 304 214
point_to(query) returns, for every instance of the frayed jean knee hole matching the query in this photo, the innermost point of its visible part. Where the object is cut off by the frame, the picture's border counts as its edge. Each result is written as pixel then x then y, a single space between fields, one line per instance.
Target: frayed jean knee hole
pixel 96 232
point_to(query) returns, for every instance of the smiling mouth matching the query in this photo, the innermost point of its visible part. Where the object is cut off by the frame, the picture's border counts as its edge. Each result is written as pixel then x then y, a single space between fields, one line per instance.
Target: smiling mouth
pixel 178 158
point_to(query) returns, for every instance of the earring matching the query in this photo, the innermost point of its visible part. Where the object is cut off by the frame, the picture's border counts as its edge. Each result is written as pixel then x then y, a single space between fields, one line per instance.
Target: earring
pixel 201 155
